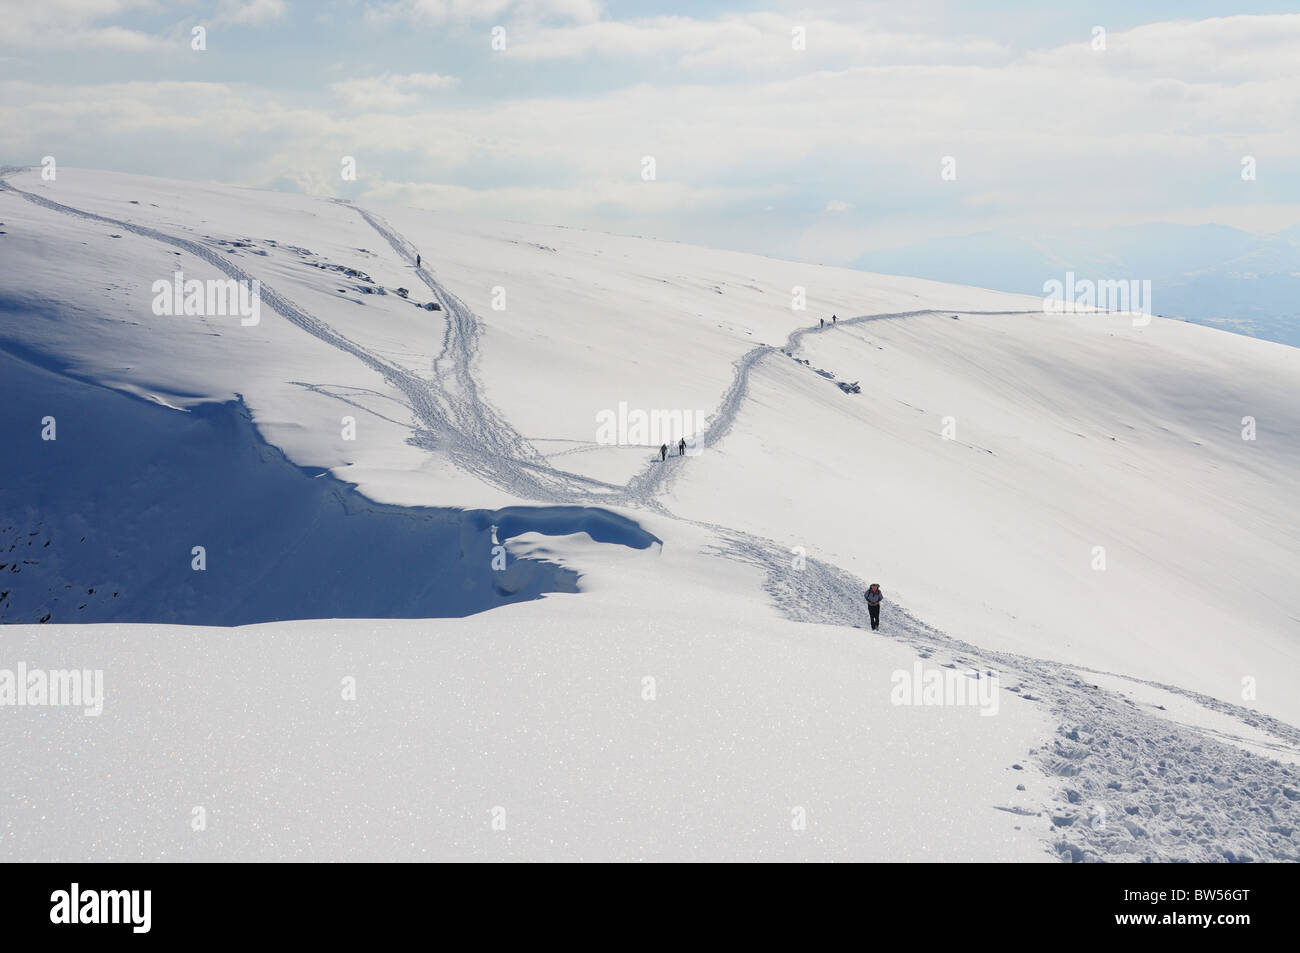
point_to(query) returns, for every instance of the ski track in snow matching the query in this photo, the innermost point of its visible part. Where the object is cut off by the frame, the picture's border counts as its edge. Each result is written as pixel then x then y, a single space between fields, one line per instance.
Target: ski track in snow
pixel 486 445
pixel 1124 784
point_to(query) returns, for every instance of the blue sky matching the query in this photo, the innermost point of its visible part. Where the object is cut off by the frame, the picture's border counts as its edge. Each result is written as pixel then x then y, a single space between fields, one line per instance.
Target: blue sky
pixel 821 153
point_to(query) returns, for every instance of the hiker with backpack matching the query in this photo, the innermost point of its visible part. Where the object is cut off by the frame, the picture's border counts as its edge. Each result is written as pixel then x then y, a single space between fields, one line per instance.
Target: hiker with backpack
pixel 681 447
pixel 874 597
pixel 663 452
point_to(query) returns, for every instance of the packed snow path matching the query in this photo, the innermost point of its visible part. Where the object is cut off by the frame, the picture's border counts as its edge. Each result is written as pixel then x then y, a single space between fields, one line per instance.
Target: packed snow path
pixel 1124 784
pixel 520 467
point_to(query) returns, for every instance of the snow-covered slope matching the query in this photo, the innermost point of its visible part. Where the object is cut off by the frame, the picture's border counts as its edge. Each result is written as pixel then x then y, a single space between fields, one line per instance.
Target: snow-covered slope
pixel 991 451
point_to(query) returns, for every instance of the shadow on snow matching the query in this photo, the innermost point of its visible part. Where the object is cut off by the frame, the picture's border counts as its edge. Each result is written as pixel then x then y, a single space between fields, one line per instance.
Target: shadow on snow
pixel 99 524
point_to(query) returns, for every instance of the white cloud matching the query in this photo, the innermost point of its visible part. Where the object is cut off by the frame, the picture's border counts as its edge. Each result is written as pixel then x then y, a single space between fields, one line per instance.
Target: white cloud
pixel 87 24
pixel 388 91
pixel 1198 52
pixel 250 12
pixel 442 11
pixel 751 41
pixel 74 24
pixel 1059 134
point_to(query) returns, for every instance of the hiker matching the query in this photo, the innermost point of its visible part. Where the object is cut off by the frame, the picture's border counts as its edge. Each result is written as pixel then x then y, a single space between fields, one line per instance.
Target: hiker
pixel 874 597
pixel 417 261
pixel 823 321
pixel 832 319
pixel 663 452
pixel 681 447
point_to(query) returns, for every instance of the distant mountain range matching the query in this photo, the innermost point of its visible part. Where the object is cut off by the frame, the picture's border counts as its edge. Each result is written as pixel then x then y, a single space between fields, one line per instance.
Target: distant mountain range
pixel 1207 274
